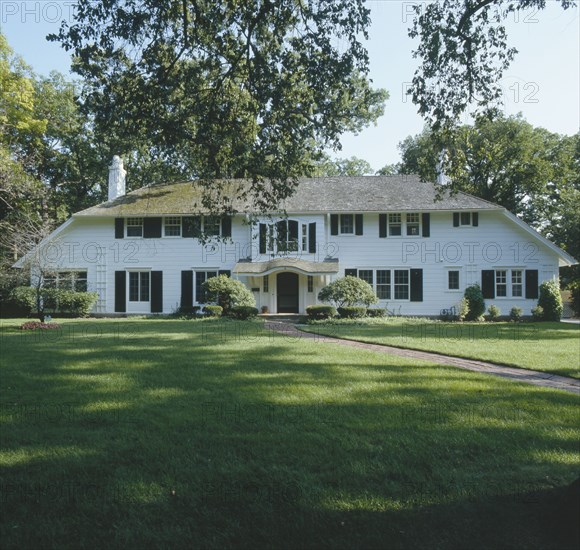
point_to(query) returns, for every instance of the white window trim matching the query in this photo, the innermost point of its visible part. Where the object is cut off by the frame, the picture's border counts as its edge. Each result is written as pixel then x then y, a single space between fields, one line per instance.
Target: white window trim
pixel 392 283
pixel 447 270
pixel 138 270
pixel 509 289
pixel 127 236
pixel 353 234
pixel 165 236
pixel 403 234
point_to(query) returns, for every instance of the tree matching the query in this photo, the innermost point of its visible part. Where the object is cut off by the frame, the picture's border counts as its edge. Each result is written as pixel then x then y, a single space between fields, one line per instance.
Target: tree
pixel 225 89
pixel 228 292
pixel 343 167
pixel 506 161
pixel 389 170
pixel 463 53
pixel 347 292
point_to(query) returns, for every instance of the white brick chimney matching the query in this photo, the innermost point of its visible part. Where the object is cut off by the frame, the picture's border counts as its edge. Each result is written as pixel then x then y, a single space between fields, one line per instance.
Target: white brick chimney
pixel 116 178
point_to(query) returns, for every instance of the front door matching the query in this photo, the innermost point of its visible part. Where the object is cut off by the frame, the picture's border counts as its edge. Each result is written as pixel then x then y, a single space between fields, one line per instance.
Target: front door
pixel 287 287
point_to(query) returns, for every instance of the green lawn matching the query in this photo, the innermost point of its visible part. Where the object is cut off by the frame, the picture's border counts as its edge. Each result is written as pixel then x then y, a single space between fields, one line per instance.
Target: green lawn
pixel 549 347
pixel 169 434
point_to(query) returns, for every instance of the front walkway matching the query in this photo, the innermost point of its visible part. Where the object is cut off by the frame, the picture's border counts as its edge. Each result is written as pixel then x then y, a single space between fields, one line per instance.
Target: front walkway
pixel 537 378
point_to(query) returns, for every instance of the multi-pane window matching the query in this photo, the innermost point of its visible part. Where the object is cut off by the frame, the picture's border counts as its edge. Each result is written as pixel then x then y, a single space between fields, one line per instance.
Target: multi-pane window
pixel 347 224
pixel 200 278
pixel 67 280
pixel 401 284
pixel 266 283
pixel 453 280
pixel 501 283
pixel 287 235
pixel 211 225
pixel 383 289
pixel 134 227
pixel 310 283
pixel 413 223
pixel 139 286
pixel 304 238
pixel 465 218
pixel 173 226
pixel 366 275
pixel 395 225
pixel 517 283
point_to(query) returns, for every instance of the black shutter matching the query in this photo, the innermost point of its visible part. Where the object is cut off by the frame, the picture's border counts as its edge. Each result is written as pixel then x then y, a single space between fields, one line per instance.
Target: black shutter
pixel 312 238
pixel 152 228
pixel 120 292
pixel 191 226
pixel 156 291
pixel 351 272
pixel 416 285
pixel 455 219
pixel 382 225
pixel 225 272
pixel 334 224
pixel 358 224
pixel 263 230
pixel 227 226
pixel 488 283
pixel 187 288
pixel 532 284
pixel 426 219
pixel 475 219
pixel 119 228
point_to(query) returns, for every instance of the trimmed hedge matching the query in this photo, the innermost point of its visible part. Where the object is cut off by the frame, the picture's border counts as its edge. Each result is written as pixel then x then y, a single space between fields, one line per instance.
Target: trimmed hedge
pixel 374 312
pixel 55 300
pixel 352 312
pixel 242 312
pixel 516 314
pixel 538 313
pixel 493 312
pixel 213 311
pixel 550 301
pixel 321 312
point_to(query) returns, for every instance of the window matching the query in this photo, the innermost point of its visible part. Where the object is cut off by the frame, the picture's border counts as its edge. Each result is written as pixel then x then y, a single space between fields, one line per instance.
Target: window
pixel 266 283
pixel 401 284
pixel 383 289
pixel 347 224
pixel 310 283
pixel 134 227
pixel 517 283
pixel 304 238
pixel 394 225
pixel 67 280
pixel 173 226
pixel 200 278
pixel 501 283
pixel 366 275
pixel 465 218
pixel 413 223
pixel 139 286
pixel 287 236
pixel 453 280
pixel 211 226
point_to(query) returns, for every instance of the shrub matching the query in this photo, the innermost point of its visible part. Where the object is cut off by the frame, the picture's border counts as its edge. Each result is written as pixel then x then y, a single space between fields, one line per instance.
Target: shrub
pixel 516 314
pixel 242 312
pixel 538 313
pixel 228 292
pixel 213 311
pixel 550 300
pixel 374 312
pixel 77 304
pixel 320 312
pixel 347 292
pixel 352 312
pixel 463 309
pixel 575 293
pixel 24 297
pixel 475 302
pixel 493 312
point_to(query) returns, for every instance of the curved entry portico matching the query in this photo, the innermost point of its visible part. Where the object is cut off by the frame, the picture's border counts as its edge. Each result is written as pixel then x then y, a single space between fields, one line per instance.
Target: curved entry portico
pixel 287 292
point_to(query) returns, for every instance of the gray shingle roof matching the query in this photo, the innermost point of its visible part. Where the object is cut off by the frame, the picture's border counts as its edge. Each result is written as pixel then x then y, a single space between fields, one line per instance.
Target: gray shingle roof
pixel 335 194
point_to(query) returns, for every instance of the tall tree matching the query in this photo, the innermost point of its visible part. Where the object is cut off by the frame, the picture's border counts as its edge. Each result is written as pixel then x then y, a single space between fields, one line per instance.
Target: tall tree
pixel 506 161
pixel 226 89
pixel 463 52
pixel 352 166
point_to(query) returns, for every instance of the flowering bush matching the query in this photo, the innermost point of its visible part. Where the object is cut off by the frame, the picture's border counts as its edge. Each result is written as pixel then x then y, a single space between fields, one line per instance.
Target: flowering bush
pixel 33 325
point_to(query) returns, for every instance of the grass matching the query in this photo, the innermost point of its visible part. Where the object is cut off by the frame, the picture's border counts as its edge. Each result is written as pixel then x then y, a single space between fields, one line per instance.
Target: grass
pixel 160 433
pixel 548 347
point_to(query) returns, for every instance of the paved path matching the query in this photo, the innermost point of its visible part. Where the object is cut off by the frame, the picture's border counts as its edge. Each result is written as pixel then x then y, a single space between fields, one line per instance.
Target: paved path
pixel 537 378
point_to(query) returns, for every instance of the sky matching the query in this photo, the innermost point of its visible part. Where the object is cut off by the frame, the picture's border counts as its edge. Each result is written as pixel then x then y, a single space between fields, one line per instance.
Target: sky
pixel 543 82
